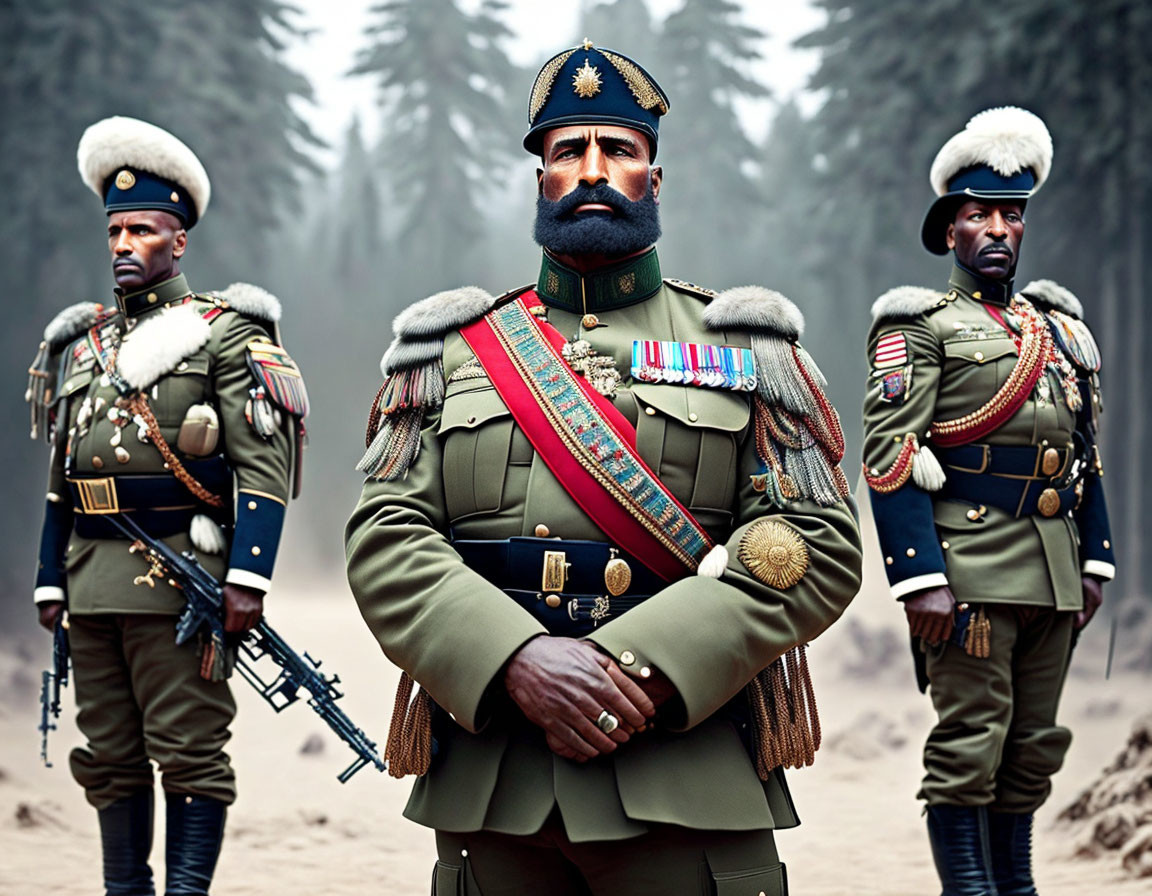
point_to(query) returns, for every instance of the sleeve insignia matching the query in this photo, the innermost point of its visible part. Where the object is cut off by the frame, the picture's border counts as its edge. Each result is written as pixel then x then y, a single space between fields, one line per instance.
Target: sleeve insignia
pixel 896 385
pixel 278 377
pixel 774 553
pixel 891 351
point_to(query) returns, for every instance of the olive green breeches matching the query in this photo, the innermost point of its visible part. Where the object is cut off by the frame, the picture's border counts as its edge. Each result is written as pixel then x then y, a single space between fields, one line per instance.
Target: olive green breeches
pixel 666 861
pixel 141 698
pixel 996 742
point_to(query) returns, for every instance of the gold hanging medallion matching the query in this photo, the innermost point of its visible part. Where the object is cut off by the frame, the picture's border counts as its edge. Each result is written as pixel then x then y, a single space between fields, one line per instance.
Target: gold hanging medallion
pixel 617 575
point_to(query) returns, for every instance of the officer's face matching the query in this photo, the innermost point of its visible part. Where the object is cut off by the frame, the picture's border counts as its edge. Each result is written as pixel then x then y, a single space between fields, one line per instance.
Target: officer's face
pixel 145 247
pixel 596 154
pixel 986 237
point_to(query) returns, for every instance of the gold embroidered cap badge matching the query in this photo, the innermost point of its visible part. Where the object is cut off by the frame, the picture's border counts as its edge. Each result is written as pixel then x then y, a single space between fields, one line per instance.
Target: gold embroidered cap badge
pixel 586 82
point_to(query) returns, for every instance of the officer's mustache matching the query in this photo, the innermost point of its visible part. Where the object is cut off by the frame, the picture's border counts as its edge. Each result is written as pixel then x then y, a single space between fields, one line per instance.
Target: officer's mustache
pixel 600 194
pixel 998 249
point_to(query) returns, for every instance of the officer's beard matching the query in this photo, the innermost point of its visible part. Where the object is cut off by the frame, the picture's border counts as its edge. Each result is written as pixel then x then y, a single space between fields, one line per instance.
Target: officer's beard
pixel 631 227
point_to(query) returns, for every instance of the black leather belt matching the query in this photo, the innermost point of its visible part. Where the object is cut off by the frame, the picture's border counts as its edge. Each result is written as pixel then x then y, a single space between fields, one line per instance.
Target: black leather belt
pixel 1023 480
pixel 160 503
pixel 582 576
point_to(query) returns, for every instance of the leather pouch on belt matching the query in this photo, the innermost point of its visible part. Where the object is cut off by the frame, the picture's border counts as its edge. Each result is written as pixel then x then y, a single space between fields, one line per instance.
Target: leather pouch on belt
pixel 200 431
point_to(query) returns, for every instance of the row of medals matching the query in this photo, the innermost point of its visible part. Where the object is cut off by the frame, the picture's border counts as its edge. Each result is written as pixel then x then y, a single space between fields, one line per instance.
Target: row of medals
pixel 118 415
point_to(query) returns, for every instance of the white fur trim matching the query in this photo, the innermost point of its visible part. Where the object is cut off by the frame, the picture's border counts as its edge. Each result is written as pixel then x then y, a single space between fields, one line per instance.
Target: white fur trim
pixel 1007 138
pixel 247 298
pixel 116 142
pixel 46 593
pixel 903 302
pixel 714 564
pixel 404 355
pixel 926 470
pixel 442 312
pixel 1052 294
pixel 159 343
pixel 919 583
pixel 754 308
pixel 207 537
pixel 71 322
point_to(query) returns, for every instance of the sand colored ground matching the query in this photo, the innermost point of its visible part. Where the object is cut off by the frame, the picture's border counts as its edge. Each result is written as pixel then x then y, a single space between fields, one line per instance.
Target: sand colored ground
pixel 296 830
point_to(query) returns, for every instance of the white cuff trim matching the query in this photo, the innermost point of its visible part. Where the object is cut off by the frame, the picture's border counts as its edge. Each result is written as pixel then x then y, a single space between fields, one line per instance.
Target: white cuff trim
pixel 248 580
pixel 45 593
pixel 918 583
pixel 1106 571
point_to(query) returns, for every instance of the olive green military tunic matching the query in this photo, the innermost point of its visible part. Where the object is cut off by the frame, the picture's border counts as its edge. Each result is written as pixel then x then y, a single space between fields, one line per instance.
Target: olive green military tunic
pixel 1009 521
pixel 140 696
pixel 476 476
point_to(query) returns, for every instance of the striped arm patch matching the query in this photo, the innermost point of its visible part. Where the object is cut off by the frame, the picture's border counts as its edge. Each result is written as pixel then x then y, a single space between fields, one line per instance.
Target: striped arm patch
pixel 891 351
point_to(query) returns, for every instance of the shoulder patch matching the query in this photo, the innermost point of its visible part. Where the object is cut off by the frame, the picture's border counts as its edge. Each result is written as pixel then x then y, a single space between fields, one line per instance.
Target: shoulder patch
pixel 690 288
pixel 1051 295
pixel 278 374
pixel 906 302
pixel 754 308
pixel 251 300
pixel 73 321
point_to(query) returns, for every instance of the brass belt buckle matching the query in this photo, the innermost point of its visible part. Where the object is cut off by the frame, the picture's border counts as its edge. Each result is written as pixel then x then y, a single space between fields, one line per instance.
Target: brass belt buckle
pixel 555 571
pixel 98 495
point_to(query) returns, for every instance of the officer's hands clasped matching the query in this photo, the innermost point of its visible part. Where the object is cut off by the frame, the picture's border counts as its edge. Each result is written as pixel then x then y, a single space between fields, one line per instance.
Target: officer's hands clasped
pixel 563 685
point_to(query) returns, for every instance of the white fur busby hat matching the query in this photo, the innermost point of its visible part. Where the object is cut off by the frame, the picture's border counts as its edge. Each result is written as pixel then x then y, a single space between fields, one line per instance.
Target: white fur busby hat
pixel 1003 153
pixel 132 164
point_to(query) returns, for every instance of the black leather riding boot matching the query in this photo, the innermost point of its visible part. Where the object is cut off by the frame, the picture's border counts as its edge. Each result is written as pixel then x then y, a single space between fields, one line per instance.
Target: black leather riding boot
pixel 1011 839
pixel 959 836
pixel 126 841
pixel 195 832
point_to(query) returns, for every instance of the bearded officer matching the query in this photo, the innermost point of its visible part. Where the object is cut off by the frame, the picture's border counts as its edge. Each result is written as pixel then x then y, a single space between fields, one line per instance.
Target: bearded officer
pixel 981 454
pixel 603 515
pixel 158 405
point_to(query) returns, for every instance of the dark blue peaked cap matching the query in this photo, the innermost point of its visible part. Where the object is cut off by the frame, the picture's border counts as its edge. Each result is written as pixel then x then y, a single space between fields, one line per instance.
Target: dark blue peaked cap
pixel 131 189
pixel 591 85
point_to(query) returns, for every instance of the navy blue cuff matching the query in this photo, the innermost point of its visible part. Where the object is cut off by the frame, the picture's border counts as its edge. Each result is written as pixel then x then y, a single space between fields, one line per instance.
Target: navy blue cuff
pixel 53 543
pixel 259 519
pixel 907 531
pixel 1092 521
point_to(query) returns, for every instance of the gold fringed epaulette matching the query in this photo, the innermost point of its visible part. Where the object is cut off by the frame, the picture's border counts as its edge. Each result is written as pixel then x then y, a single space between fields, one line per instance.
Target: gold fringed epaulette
pixel 65 327
pixel 414 378
pixel 799 440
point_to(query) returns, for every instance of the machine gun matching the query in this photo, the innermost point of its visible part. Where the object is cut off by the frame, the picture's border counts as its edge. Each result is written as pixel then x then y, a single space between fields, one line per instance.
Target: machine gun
pixel 203 609
pixel 51 681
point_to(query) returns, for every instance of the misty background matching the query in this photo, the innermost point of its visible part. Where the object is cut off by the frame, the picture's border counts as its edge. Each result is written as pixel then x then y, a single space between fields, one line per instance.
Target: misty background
pixel 364 156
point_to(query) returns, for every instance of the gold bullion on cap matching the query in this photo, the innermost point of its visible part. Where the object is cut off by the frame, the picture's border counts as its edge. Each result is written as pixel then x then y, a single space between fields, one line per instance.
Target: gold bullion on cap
pixel 586 82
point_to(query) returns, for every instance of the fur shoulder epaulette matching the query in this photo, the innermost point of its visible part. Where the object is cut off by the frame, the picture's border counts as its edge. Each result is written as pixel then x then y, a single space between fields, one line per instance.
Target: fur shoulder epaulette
pixel 73 321
pixel 906 302
pixel 754 308
pixel 1051 295
pixel 419 329
pixel 250 300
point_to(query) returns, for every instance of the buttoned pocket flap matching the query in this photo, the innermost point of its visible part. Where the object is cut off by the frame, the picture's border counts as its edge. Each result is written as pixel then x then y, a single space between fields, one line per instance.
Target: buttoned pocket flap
pixel 195 365
pixel 78 380
pixel 469 410
pixel 979 351
pixel 696 406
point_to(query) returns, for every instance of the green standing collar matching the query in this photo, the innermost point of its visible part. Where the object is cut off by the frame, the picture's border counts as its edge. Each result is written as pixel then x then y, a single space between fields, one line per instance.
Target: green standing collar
pixel 615 286
pixel 158 295
pixel 963 281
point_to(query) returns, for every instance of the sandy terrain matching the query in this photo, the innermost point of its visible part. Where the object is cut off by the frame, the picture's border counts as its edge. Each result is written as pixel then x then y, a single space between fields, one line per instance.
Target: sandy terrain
pixel 296 830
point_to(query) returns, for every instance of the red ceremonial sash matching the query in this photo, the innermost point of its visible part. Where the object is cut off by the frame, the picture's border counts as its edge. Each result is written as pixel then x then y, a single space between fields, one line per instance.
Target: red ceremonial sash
pixel 585 441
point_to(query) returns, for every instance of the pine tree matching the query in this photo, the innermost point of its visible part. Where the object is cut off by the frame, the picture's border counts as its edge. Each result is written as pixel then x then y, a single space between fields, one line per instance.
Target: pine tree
pixel 444 84
pixel 625 26
pixel 708 157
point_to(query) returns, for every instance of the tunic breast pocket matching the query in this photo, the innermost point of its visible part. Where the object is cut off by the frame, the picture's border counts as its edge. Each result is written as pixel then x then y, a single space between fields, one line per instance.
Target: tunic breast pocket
pixel 178 390
pixel 476 433
pixel 691 437
pixel 973 370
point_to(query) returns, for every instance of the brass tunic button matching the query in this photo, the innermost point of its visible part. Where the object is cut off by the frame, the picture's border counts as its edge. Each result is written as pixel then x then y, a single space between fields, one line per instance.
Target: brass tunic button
pixel 945 545
pixel 651 412
pixel 645 672
pixel 1107 544
pixel 973 514
pixel 553 600
pixel 976 295
pixel 97 461
pixel 979 356
pixel 889 560
pixel 542 531
pixel 183 365
pixel 152 298
pixel 251 505
pixel 911 552
pixel 256 551
pixel 627 657
pixel 589 321
pixel 693 417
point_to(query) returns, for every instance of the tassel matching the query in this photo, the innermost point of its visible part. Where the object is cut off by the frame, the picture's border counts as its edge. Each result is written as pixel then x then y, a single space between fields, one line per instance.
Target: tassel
pixel 38 394
pixel 978 641
pixel 408 749
pixel 779 379
pixel 785 720
pixel 926 470
pixel 397 417
pixel 216 658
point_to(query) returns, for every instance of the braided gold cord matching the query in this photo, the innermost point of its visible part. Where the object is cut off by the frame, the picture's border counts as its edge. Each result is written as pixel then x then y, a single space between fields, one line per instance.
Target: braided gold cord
pixel 138 404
